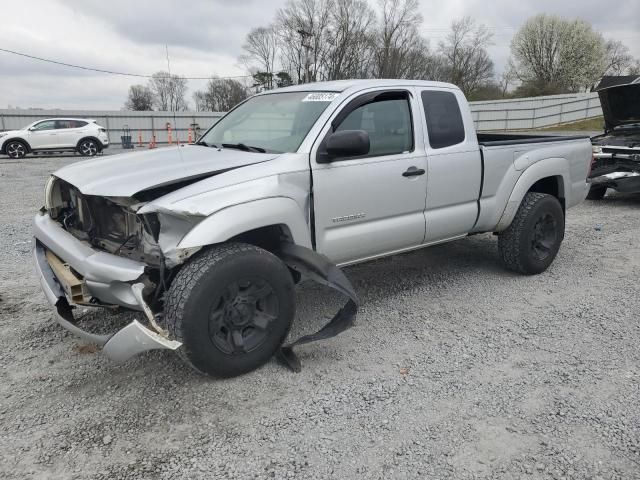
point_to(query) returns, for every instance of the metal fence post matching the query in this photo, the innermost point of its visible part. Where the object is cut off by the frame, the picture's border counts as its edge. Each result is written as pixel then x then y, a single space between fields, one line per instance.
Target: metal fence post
pixel 106 121
pixel 2 125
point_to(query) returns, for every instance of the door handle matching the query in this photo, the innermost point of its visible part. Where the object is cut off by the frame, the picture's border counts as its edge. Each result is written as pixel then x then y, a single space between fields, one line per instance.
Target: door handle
pixel 414 172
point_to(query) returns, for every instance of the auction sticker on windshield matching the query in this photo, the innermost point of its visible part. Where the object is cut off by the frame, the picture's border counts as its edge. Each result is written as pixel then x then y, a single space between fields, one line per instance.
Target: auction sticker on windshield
pixel 320 97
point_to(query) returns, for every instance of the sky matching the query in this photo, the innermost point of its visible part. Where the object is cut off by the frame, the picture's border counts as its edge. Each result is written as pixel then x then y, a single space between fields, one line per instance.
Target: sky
pixel 205 37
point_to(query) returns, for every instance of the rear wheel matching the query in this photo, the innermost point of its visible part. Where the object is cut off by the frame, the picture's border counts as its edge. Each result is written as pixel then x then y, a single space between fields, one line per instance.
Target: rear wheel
pixel 533 239
pixel 231 306
pixel 596 192
pixel 16 149
pixel 88 148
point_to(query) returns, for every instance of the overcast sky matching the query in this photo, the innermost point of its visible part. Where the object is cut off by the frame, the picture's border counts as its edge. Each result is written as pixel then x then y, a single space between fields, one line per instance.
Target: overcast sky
pixel 205 37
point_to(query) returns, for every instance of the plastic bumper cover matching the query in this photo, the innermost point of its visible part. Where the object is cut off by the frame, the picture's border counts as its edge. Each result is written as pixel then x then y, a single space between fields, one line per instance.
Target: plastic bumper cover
pixel 133 339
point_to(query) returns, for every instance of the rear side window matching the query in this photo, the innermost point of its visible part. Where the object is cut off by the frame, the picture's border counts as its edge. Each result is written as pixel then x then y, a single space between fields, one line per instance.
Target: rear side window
pixel 444 120
pixel 63 124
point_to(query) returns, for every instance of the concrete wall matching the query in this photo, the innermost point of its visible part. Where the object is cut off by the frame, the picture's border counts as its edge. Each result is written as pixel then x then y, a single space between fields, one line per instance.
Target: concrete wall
pixel 517 114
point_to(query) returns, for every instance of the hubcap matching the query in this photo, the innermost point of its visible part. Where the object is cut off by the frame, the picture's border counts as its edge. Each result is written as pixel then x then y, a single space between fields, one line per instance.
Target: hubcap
pixel 88 148
pixel 240 319
pixel 544 237
pixel 16 150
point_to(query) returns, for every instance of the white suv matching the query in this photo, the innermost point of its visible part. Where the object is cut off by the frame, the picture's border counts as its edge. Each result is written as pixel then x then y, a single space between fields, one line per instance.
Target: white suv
pixel 55 134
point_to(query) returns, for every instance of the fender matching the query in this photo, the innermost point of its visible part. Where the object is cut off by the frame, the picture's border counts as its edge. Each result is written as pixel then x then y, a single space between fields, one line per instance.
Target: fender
pixel 236 219
pixel 550 167
pixel 8 140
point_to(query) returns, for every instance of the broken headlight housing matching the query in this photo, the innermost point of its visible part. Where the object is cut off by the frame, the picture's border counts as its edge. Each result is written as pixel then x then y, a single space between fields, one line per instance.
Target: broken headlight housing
pixel 48 189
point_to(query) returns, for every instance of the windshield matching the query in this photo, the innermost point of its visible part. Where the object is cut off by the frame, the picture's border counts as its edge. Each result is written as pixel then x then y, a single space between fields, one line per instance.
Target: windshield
pixel 276 122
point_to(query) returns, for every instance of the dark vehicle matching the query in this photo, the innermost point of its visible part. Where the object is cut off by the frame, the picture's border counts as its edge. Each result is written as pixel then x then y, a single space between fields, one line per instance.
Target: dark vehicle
pixel 617 153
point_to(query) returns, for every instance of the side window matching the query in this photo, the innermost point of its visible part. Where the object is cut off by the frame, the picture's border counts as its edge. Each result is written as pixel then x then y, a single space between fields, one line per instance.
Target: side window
pixel 388 123
pixel 64 124
pixel 444 120
pixel 47 125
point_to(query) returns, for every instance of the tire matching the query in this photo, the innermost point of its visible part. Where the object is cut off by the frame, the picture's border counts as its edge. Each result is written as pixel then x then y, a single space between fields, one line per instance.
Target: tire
pixel 532 241
pixel 597 192
pixel 16 149
pixel 88 147
pixel 231 306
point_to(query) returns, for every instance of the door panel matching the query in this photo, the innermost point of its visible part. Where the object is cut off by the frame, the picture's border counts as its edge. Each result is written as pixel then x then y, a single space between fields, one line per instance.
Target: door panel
pixel 43 135
pixel 68 133
pixel 455 166
pixel 366 207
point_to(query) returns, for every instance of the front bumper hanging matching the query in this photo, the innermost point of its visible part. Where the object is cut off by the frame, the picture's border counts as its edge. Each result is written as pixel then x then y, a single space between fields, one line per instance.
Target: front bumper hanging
pixel 131 340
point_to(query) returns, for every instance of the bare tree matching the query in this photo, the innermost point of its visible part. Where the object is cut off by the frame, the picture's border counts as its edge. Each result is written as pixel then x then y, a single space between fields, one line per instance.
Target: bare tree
pixel 508 78
pixel 396 37
pixel 303 28
pixel 169 91
pixel 261 48
pixel 618 58
pixel 220 95
pixel 465 50
pixel 140 98
pixel 634 68
pixel 568 55
pixel 350 51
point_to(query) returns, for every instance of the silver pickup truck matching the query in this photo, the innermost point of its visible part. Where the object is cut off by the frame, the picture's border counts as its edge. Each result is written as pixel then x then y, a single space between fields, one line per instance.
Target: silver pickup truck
pixel 207 241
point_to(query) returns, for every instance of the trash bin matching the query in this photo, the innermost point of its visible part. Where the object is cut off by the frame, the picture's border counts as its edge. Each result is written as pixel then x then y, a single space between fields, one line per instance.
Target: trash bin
pixel 125 138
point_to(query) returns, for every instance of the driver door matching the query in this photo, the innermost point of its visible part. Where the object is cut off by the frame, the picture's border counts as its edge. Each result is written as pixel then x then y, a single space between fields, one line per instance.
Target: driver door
pixel 43 135
pixel 372 205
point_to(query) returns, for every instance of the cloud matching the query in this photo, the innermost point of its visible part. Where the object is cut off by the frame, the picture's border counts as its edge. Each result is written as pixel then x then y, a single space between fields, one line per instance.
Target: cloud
pixel 205 37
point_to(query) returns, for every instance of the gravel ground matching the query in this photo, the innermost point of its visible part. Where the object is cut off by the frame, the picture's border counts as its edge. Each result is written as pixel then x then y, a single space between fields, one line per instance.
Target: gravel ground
pixel 456 369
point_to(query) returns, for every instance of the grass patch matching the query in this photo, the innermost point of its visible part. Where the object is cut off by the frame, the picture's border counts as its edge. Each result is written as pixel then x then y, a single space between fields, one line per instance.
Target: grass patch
pixel 589 125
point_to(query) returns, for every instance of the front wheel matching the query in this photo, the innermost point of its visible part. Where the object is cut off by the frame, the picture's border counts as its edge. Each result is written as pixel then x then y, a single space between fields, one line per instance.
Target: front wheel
pixel 231 306
pixel 533 239
pixel 16 149
pixel 88 148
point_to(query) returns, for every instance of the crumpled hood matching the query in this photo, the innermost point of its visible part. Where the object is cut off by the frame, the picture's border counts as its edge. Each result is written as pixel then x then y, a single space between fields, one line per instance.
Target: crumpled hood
pixel 126 174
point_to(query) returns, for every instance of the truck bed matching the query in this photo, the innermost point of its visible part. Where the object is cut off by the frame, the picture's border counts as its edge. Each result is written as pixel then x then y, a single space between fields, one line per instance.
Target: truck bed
pixel 504 139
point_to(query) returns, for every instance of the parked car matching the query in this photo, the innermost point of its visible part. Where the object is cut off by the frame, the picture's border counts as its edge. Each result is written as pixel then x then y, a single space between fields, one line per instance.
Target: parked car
pixel 55 134
pixel 209 239
pixel 617 152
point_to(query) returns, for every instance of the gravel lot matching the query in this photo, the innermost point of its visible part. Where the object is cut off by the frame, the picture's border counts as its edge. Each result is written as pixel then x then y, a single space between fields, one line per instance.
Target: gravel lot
pixel 456 369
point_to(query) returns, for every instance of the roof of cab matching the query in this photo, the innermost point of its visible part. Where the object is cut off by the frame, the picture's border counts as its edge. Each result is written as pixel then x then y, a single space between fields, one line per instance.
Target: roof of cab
pixel 343 85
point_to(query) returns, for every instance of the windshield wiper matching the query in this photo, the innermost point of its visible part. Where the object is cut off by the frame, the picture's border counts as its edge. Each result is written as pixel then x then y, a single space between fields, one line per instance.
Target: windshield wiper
pixel 244 148
pixel 205 144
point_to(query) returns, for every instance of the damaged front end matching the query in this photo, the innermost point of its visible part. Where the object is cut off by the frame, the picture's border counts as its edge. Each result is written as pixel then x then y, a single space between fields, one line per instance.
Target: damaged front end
pixel 98 252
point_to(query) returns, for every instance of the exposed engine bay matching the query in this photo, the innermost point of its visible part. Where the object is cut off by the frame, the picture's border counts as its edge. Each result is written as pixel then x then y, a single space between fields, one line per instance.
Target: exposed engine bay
pixel 108 224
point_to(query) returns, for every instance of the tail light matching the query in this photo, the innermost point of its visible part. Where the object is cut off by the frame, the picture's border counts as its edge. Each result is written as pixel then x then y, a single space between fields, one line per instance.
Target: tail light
pixel 103 130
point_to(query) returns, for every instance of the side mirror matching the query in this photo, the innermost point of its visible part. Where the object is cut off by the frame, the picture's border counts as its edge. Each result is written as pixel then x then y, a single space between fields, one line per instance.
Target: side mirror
pixel 346 144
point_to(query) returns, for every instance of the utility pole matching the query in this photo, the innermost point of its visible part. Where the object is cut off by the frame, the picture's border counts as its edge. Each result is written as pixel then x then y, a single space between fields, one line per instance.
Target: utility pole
pixel 305 41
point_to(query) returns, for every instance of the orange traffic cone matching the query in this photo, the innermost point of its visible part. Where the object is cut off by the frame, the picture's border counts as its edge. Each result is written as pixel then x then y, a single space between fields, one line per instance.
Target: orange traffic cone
pixel 169 135
pixel 190 139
